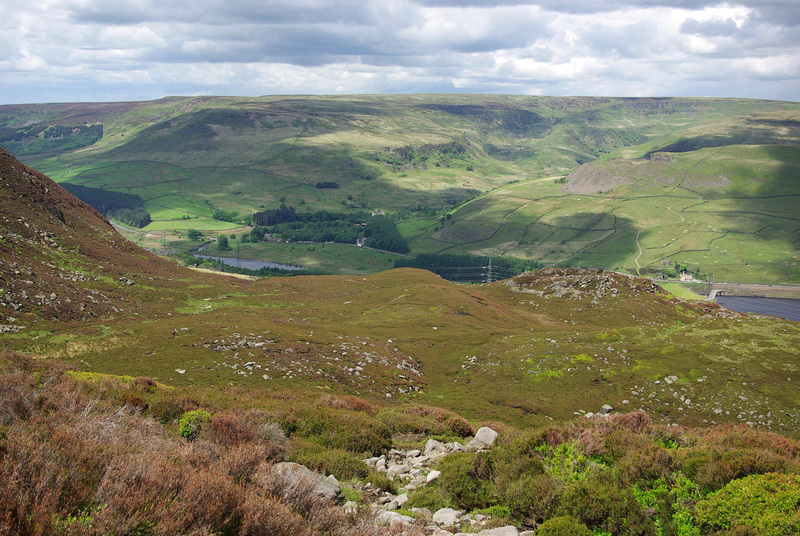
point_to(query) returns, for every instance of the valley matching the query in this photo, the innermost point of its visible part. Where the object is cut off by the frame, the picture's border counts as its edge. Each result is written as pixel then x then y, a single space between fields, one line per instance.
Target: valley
pixel 622 406
pixel 636 185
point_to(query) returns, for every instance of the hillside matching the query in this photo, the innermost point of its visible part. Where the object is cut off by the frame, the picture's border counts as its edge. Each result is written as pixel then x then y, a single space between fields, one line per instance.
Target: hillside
pixel 172 388
pixel 487 164
pixel 720 202
pixel 408 333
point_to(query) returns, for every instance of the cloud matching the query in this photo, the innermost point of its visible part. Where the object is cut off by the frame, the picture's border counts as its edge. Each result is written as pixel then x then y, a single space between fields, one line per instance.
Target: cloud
pixel 56 49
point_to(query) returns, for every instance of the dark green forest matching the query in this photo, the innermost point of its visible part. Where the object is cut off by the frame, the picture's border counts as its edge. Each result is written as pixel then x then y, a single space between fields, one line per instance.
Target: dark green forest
pixel 127 208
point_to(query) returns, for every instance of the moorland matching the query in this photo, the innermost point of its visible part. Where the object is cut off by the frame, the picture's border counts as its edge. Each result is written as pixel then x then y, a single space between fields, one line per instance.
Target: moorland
pixel 135 388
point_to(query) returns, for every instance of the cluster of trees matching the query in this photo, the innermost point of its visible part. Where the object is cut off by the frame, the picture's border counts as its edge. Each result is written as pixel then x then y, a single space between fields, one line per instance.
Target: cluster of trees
pixel 274 216
pixel 225 215
pixel 266 271
pixel 326 226
pixel 383 234
pixel 469 268
pixel 127 208
pixel 327 184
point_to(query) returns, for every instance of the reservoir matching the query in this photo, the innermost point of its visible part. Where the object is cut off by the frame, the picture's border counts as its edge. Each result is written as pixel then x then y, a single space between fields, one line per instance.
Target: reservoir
pixel 251 264
pixel 787 308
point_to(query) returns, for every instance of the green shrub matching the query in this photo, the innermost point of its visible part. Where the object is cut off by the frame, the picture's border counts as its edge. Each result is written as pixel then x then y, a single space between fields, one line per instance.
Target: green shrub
pixel 351 431
pixel 432 497
pixel 532 498
pixel 562 526
pixel 467 478
pixel 340 463
pixel 769 504
pixel 191 424
pixel 381 481
pixel 601 504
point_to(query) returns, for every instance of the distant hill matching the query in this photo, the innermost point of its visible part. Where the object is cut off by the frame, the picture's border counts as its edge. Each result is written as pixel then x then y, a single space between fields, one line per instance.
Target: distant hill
pixel 479 174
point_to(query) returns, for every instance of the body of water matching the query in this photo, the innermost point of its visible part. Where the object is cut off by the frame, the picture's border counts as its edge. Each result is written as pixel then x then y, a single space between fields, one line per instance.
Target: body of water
pixel 783 307
pixel 251 264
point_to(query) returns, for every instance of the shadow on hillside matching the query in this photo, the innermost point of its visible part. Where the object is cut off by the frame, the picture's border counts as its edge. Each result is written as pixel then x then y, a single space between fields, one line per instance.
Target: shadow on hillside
pixel 612 239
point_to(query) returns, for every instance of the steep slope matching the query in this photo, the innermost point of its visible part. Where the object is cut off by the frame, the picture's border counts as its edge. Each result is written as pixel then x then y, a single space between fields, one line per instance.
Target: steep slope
pixel 61 260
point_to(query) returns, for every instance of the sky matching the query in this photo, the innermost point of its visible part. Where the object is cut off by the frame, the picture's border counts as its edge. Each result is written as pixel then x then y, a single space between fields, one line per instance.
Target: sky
pixel 123 50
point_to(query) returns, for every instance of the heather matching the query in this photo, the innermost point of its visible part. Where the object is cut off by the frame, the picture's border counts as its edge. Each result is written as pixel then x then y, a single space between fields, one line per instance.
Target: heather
pixel 102 454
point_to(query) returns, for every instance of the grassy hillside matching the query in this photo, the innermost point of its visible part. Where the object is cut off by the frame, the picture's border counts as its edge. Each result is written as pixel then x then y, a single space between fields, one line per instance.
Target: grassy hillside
pixel 420 157
pixel 723 205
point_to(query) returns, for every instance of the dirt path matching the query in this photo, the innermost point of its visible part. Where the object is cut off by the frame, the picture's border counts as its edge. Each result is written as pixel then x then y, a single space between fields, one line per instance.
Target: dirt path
pixel 677 214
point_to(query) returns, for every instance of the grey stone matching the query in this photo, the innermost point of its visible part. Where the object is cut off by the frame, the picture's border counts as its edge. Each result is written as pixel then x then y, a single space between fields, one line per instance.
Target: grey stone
pixel 326 487
pixel 433 475
pixel 392 518
pixel 484 439
pixel 401 499
pixel 433 447
pixel 605 409
pixel 508 530
pixel 399 469
pixel 422 512
pixel 447 516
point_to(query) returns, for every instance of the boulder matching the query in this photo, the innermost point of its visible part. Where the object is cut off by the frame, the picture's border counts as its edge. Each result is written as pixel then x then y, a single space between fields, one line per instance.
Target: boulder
pixel 605 409
pixel 447 517
pixel 508 530
pixel 484 439
pixel 435 448
pixel 326 487
pixel 392 518
pixel 422 512
pixel 399 469
pixel 433 475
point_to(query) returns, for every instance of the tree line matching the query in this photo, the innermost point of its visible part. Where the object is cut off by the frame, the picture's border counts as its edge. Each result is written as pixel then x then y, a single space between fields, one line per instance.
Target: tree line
pixel 127 208
pixel 325 226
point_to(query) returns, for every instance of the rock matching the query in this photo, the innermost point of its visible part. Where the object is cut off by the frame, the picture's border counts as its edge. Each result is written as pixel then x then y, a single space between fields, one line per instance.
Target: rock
pixel 433 475
pixel 508 530
pixel 401 499
pixel 399 469
pixel 605 409
pixel 392 518
pixel 447 517
pixel 422 512
pixel 326 487
pixel 434 448
pixel 526 533
pixel 484 439
pixel 350 507
pixel 413 453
